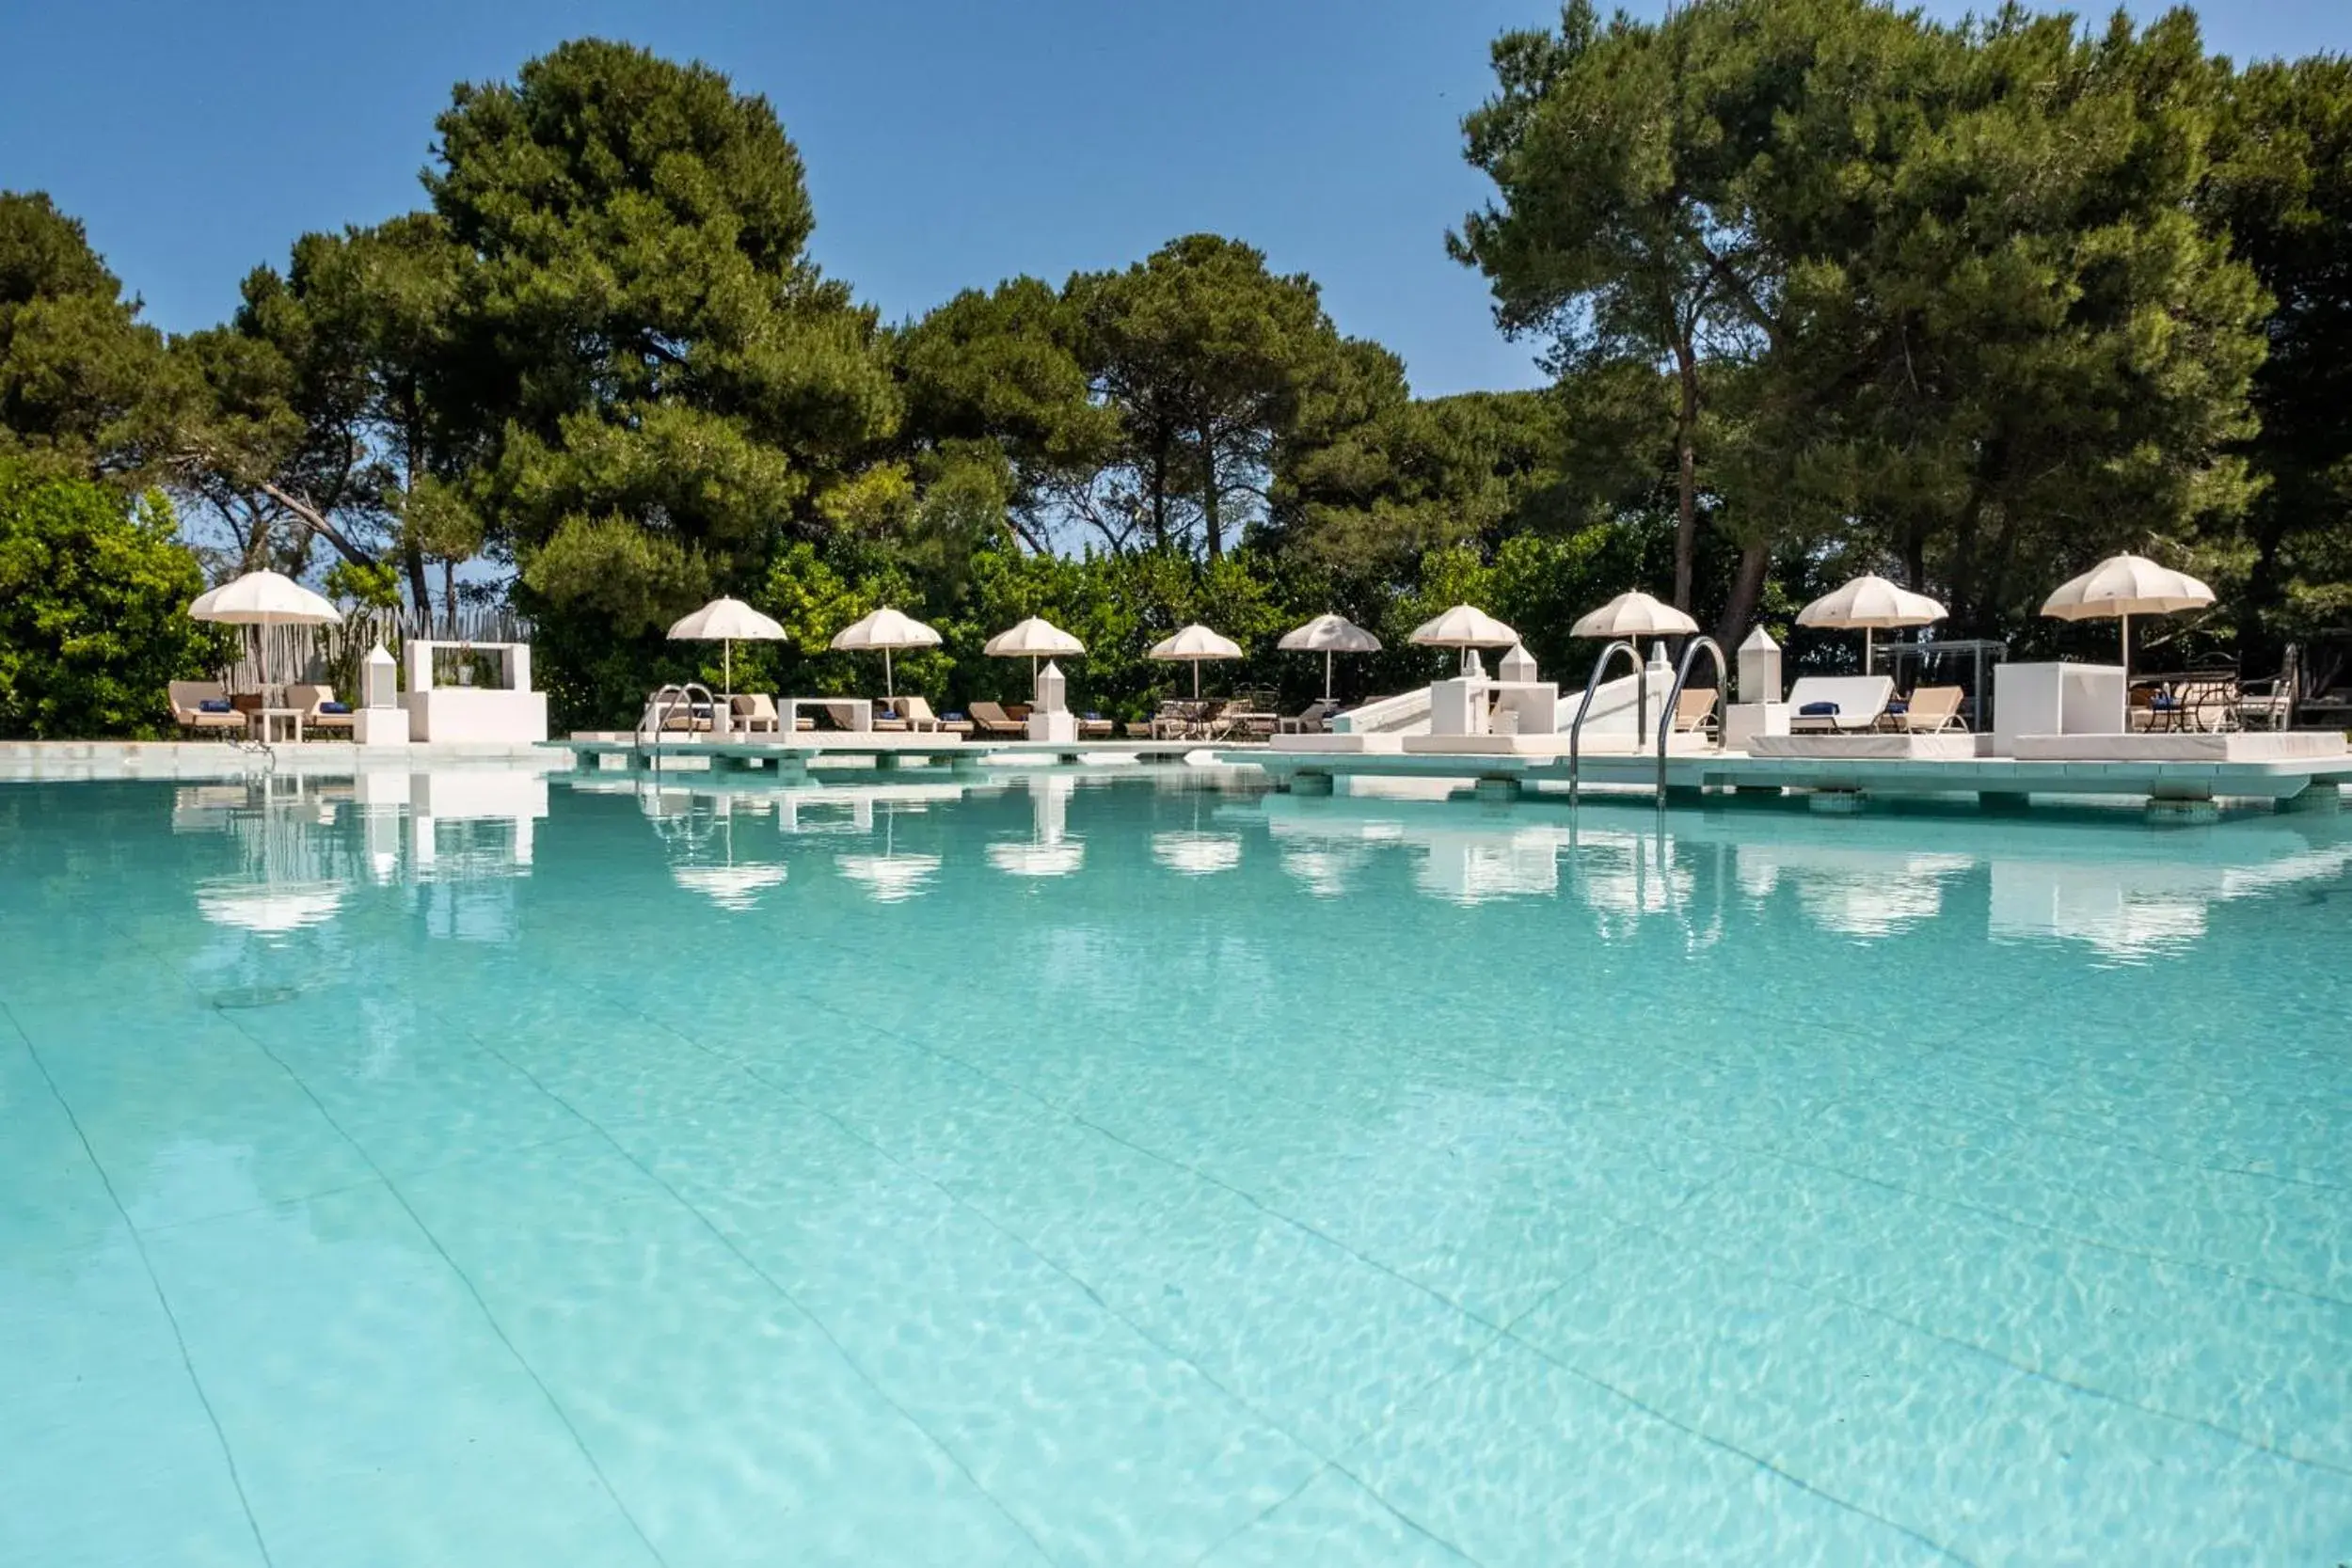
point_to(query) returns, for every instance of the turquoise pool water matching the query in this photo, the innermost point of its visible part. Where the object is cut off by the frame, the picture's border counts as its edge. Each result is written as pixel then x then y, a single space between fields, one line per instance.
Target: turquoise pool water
pixel 467 1171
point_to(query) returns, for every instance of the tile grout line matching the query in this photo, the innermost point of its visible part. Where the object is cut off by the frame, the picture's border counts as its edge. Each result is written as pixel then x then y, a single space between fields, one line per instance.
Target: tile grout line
pixel 1821 1292
pixel 1325 1460
pixel 554 1406
pixel 1369 1262
pixel 147 1266
pixel 766 1278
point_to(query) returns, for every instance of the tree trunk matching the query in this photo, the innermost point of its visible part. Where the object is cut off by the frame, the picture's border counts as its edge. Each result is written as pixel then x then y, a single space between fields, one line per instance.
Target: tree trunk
pixel 449 591
pixel 1915 559
pixel 1159 497
pixel 1685 462
pixel 1747 591
pixel 1211 528
pixel 413 396
pixel 418 587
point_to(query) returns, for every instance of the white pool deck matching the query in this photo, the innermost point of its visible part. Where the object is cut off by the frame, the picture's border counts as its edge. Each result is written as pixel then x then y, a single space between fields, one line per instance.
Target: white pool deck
pixel 2160 768
pixel 40 761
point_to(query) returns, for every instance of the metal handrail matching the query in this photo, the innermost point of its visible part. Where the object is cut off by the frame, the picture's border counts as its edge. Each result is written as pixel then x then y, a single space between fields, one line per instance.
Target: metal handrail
pixel 664 703
pixel 1592 683
pixel 1673 699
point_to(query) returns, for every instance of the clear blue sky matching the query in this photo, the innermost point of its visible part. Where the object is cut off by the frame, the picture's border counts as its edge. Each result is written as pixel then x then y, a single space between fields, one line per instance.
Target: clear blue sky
pixel 948 144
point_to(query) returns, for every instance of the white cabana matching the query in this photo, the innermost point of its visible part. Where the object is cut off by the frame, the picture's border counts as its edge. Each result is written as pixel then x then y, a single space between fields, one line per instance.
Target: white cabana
pixel 1467 628
pixel 2124 586
pixel 885 631
pixel 1870 604
pixel 1033 639
pixel 264 599
pixel 726 622
pixel 1196 645
pixel 1328 635
pixel 1634 615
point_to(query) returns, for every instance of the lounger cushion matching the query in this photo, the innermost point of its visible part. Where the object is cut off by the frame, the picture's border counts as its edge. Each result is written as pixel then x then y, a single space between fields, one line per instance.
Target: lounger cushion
pixel 334 707
pixel 216 704
pixel 1818 710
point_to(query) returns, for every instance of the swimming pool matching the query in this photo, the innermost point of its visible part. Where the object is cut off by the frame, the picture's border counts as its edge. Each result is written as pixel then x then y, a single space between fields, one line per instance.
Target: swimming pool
pixel 470 1169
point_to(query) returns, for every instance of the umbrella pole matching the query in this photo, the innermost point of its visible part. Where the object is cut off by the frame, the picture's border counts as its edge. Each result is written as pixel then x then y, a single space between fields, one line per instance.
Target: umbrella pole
pixel 1869 649
pixel 890 685
pixel 2127 647
pixel 1196 680
pixel 1326 674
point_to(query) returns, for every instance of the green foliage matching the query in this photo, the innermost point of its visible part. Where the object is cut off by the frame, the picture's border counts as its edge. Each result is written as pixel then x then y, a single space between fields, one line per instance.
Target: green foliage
pixel 93 618
pixel 84 387
pixel 373 586
pixel 2281 186
pixel 1826 286
pixel 642 337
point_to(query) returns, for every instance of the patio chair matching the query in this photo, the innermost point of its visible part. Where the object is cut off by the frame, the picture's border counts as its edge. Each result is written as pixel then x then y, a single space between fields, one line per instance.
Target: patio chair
pixel 1928 710
pixel 202 707
pixel 1694 712
pixel 2266 705
pixel 991 721
pixel 889 715
pixel 917 713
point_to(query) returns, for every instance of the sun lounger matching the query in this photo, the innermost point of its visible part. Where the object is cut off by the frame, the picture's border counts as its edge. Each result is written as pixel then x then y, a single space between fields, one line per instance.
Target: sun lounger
pixel 203 707
pixel 889 716
pixel 319 710
pixel 1928 710
pixel 1093 726
pixel 1837 703
pixel 990 720
pixel 917 713
pixel 1313 719
pixel 755 713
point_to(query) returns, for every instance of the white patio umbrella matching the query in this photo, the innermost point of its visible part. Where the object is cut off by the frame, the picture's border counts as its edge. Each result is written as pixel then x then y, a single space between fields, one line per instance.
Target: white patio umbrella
pixel 1466 628
pixel 885 630
pixel 1033 639
pixel 2124 586
pixel 264 599
pixel 1328 635
pixel 1871 602
pixel 1634 615
pixel 727 622
pixel 1195 645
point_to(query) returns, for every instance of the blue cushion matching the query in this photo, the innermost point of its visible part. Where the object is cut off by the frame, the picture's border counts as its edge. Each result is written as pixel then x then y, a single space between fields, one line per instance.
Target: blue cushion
pixel 334 707
pixel 959 714
pixel 1818 710
pixel 1898 705
pixel 887 713
pixel 216 704
pixel 2163 699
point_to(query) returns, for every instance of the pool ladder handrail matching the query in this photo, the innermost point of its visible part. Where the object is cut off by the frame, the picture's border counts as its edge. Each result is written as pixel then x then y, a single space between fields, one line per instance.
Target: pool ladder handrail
pixel 1592 685
pixel 1674 698
pixel 661 705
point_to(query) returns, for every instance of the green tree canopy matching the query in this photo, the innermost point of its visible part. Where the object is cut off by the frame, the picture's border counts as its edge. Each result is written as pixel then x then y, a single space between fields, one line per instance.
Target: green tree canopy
pixel 84 389
pixel 93 609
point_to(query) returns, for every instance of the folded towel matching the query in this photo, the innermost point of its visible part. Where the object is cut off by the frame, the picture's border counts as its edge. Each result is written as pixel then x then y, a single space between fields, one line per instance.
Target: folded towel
pixel 216 704
pixel 955 716
pixel 334 707
pixel 1898 705
pixel 887 713
pixel 1818 710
